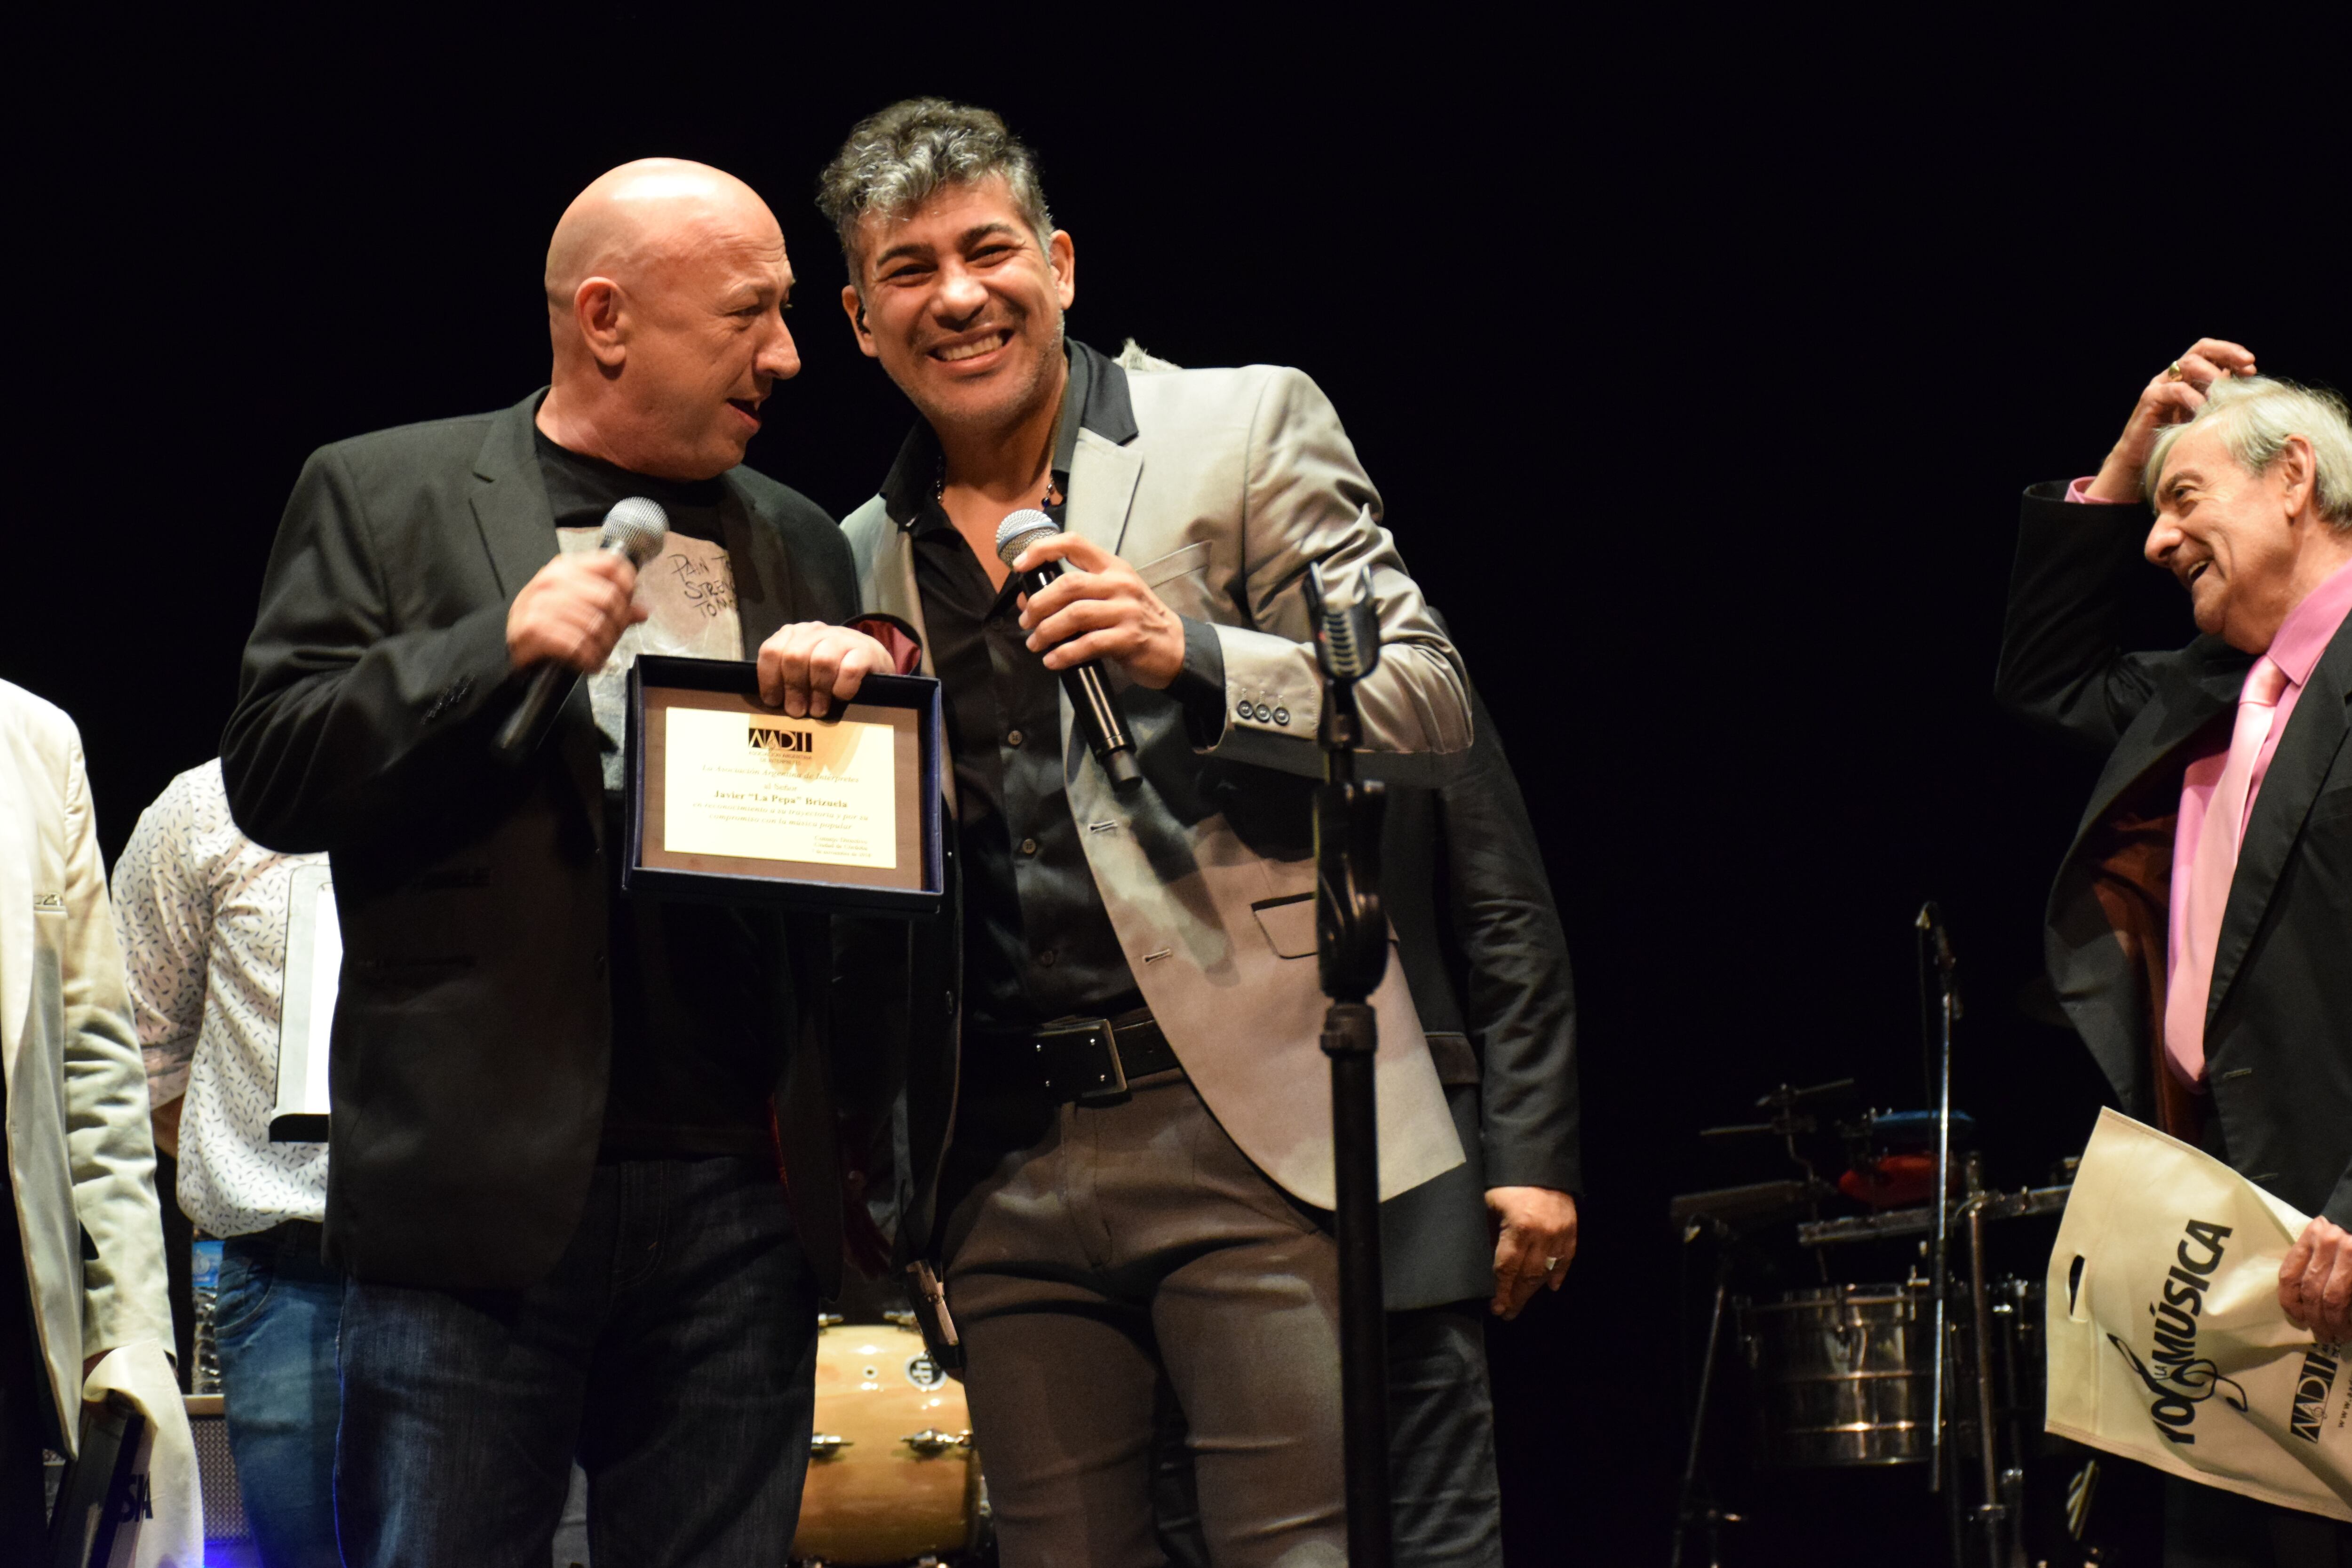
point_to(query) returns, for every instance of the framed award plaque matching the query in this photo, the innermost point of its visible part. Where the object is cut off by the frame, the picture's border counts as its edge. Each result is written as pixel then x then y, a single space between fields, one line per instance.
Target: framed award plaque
pixel 732 801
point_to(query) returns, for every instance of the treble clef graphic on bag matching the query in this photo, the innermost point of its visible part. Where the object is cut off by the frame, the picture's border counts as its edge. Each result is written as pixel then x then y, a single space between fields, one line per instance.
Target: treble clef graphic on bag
pixel 2181 1392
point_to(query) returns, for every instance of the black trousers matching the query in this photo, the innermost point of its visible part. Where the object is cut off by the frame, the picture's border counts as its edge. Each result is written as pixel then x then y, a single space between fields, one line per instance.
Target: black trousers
pixel 2205 1527
pixel 25 1419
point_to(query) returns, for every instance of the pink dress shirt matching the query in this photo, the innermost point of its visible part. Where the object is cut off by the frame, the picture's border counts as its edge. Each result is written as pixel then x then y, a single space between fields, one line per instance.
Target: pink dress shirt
pixel 2301 637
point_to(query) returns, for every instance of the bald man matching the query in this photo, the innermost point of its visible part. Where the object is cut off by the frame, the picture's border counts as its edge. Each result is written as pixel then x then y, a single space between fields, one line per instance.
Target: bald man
pixel 553 1194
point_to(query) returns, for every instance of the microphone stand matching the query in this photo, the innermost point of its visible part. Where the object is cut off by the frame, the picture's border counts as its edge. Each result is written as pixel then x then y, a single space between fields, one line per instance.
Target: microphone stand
pixel 1992 1516
pixel 1351 956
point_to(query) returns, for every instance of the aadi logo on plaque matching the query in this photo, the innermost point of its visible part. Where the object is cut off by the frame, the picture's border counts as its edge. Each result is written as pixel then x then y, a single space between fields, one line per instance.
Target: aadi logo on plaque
pixel 764 786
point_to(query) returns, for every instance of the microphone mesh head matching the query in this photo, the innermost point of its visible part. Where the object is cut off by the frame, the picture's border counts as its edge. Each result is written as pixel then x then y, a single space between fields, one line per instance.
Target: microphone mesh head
pixel 636 528
pixel 1020 530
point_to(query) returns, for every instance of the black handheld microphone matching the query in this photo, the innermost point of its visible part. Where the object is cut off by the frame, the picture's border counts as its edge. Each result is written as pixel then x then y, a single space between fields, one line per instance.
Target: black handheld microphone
pixel 634 528
pixel 1097 710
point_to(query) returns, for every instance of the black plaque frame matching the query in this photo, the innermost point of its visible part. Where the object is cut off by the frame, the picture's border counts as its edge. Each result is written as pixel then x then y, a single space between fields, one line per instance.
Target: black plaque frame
pixel 821 889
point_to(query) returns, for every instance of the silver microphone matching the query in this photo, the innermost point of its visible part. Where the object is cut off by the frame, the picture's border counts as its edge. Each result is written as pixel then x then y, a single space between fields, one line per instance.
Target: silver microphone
pixel 1020 530
pixel 635 530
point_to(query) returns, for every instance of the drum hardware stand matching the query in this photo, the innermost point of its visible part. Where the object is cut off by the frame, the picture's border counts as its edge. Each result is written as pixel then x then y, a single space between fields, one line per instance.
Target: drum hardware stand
pixel 1790 1119
pixel 1936 947
pixel 1993 1514
pixel 1352 954
pixel 1789 1123
pixel 1689 1510
pixel 2012 1476
pixel 1712 1214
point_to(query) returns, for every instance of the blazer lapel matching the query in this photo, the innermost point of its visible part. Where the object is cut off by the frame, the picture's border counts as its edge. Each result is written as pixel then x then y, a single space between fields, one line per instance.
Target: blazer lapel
pixel 2314 734
pixel 518 526
pixel 1103 477
pixel 510 501
pixel 2173 716
pixel 767 591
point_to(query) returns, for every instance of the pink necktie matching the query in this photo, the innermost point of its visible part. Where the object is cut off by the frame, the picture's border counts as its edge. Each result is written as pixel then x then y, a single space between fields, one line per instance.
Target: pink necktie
pixel 2190 989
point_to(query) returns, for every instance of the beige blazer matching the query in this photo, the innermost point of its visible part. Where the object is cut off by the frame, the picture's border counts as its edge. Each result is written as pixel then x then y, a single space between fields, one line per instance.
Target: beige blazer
pixel 1236 481
pixel 80 1156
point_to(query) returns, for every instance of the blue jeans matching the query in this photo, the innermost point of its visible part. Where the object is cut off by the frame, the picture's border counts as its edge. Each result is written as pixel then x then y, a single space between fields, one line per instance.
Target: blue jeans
pixel 274 1317
pixel 673 1348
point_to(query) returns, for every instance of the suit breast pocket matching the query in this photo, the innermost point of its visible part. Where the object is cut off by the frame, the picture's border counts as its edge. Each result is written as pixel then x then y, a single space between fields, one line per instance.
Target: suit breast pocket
pixel 1180 579
pixel 1288 923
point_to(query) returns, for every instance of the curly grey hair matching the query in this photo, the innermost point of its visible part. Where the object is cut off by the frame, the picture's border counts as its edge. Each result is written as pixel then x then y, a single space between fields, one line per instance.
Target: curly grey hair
pixel 2255 415
pixel 897 160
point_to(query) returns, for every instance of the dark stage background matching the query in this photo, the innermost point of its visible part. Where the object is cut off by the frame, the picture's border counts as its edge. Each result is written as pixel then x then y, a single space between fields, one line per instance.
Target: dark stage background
pixel 1700 370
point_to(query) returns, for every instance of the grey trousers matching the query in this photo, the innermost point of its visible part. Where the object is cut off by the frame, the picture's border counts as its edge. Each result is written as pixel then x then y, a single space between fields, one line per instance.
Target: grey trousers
pixel 1446 1505
pixel 1118 1257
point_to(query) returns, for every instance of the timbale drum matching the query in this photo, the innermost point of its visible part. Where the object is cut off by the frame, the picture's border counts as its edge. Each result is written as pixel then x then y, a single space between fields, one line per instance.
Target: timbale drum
pixel 1843 1374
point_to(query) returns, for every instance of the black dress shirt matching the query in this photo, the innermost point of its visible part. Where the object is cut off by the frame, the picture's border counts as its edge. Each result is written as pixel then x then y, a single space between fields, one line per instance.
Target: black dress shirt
pixel 1038 943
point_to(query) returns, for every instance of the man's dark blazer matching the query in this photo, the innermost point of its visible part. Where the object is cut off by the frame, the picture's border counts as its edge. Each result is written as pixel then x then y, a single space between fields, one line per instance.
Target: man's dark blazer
pixel 472 1033
pixel 2278 1030
pixel 1482 948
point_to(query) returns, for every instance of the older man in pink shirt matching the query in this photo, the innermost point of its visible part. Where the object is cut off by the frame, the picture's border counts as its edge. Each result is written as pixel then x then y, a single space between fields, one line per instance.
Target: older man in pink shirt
pixel 2200 929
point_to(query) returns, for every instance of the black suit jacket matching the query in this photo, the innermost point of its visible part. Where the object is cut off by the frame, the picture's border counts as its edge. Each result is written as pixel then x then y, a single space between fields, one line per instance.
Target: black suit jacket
pixel 472 1032
pixel 1482 951
pixel 2279 1029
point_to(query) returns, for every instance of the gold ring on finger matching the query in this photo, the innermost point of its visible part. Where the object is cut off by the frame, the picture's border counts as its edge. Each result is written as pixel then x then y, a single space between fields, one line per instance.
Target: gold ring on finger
pixel 2172 372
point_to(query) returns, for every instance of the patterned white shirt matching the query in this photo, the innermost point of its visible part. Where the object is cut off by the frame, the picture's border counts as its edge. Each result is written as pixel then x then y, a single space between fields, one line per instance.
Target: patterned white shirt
pixel 201 912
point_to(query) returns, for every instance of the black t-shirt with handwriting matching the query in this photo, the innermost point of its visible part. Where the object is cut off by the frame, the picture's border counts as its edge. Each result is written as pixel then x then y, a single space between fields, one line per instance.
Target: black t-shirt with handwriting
pixel 693 1065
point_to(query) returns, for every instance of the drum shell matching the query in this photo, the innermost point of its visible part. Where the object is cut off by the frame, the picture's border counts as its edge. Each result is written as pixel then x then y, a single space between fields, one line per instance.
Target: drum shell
pixel 1843 1376
pixel 871 1497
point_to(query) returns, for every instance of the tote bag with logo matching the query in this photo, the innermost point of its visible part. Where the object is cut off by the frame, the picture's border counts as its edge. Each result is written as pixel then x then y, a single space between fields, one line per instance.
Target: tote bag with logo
pixel 2167 1343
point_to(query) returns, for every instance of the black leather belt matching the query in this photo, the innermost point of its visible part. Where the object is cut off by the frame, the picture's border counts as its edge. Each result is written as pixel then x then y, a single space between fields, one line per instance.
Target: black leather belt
pixel 1089 1061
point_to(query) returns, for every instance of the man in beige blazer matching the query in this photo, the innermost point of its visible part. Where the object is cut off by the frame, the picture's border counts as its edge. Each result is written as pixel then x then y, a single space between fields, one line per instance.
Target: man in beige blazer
pixel 1131 1210
pixel 81 1241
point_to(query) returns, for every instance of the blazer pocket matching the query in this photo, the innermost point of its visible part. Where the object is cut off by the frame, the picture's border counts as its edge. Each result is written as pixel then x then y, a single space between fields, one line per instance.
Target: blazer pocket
pixel 1169 567
pixel 1455 1058
pixel 1288 923
pixel 400 980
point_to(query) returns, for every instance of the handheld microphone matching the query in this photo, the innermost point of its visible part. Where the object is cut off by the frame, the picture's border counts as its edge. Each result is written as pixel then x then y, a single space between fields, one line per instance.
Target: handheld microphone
pixel 634 529
pixel 1097 710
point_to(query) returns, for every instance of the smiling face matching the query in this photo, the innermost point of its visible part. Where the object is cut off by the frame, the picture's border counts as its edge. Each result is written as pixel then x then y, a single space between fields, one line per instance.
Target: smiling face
pixel 2234 539
pixel 963 306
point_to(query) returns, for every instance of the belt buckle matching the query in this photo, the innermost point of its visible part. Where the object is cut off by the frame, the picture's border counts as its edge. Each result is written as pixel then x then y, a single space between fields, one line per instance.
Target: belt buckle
pixel 1097 1087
